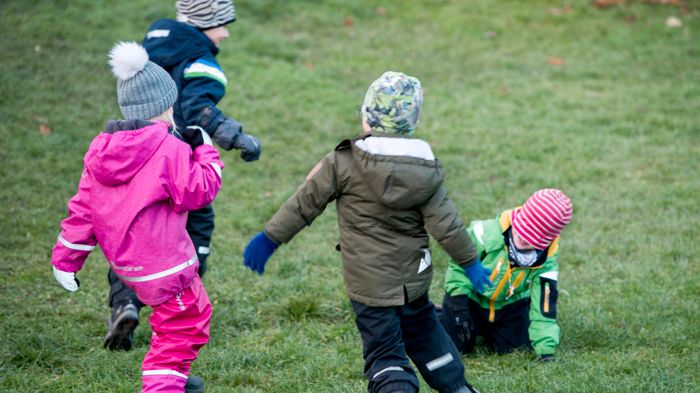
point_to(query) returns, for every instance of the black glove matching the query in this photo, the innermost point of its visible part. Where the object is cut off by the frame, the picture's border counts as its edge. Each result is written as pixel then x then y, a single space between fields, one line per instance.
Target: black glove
pixel 195 136
pixel 230 135
pixel 546 358
pixel 463 323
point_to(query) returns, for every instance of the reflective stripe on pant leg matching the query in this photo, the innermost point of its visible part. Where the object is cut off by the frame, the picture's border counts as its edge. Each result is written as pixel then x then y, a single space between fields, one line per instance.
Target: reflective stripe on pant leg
pixel 162 381
pixel 390 368
pixel 430 347
pixel 164 372
pixel 439 362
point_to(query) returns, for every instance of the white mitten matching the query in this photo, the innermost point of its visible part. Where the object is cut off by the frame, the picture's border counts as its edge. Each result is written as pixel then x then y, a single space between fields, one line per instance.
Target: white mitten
pixel 66 279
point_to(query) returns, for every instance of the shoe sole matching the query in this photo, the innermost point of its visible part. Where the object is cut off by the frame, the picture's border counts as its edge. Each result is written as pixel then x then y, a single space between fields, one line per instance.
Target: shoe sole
pixel 121 332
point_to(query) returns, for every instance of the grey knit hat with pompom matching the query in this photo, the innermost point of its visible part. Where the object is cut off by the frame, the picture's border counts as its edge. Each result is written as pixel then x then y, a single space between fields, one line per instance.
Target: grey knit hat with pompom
pixel 144 89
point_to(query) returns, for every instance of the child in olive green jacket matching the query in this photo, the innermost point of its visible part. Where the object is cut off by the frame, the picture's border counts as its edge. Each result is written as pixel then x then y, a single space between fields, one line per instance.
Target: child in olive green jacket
pixel 520 247
pixel 390 194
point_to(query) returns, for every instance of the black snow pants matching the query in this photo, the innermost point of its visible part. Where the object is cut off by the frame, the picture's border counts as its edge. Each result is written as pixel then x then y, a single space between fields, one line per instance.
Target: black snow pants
pixel 392 335
pixel 464 320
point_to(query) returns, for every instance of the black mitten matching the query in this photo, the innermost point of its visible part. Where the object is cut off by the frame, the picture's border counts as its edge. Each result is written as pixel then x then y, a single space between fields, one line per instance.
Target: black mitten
pixel 195 136
pixel 229 135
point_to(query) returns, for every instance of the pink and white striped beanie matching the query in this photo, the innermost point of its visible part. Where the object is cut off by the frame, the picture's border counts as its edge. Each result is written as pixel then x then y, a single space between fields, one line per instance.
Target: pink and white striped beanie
pixel 542 217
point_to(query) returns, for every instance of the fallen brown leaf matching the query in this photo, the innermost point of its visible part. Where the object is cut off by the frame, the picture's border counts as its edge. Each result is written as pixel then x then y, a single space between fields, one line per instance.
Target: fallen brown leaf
pixel 607 3
pixel 669 2
pixel 556 61
pixel 558 11
pixel 44 129
pixel 349 21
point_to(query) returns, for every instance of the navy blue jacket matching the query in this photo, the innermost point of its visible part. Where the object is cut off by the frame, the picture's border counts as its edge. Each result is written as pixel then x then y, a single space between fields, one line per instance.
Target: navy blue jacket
pixel 190 58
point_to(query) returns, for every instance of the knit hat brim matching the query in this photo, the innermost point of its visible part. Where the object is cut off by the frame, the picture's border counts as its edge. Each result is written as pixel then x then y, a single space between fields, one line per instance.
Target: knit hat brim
pixel 149 110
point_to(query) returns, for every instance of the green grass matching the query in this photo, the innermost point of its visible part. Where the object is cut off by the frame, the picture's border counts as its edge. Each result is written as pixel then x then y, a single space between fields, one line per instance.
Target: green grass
pixel 617 127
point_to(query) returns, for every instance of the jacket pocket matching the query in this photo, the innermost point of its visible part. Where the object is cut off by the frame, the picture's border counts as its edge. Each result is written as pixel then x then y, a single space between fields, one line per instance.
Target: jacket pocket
pixel 548 297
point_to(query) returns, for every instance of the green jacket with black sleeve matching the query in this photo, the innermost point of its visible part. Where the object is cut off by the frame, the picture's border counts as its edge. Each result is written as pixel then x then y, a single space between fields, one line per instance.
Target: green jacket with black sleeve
pixel 389 194
pixel 512 283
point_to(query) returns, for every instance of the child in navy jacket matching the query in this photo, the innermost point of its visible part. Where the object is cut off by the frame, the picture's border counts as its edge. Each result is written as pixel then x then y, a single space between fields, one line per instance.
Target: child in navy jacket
pixel 186 48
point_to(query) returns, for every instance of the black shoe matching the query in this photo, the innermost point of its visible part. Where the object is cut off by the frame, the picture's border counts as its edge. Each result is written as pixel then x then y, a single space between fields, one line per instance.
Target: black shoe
pixel 120 332
pixel 194 384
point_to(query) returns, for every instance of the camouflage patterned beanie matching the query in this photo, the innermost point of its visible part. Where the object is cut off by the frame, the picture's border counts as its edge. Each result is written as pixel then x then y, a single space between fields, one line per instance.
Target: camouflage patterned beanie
pixel 392 103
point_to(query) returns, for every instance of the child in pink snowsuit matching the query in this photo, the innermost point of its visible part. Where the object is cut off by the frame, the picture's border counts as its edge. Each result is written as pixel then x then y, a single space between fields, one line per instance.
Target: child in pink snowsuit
pixel 138 183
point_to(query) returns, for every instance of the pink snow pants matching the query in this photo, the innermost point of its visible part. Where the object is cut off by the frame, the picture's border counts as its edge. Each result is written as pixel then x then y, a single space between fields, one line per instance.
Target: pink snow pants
pixel 180 328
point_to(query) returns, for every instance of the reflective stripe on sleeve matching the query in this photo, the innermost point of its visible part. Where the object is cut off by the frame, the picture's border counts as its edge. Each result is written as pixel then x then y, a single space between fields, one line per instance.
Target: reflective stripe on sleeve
pixel 203 68
pixel 162 274
pixel 217 168
pixel 479 231
pixel 73 246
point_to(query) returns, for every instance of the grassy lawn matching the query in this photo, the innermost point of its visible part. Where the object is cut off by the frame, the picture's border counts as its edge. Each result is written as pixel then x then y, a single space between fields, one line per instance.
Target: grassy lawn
pixel 520 95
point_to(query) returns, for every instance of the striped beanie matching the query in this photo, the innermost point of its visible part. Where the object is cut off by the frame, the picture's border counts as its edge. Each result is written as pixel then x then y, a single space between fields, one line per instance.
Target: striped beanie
pixel 542 217
pixel 144 90
pixel 205 14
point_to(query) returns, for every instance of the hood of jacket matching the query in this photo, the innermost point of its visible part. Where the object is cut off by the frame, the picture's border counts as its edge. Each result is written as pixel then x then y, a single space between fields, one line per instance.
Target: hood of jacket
pixel 169 42
pixel 401 172
pixel 118 153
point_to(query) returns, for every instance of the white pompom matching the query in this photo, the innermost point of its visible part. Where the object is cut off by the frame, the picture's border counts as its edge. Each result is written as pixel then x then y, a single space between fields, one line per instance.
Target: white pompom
pixel 127 59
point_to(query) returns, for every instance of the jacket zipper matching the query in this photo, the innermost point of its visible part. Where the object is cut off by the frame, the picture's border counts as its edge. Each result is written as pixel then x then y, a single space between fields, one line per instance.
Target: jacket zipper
pixel 515 284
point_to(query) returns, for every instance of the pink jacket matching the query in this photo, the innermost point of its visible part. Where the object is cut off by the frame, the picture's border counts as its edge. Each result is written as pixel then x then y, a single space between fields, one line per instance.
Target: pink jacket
pixel 138 184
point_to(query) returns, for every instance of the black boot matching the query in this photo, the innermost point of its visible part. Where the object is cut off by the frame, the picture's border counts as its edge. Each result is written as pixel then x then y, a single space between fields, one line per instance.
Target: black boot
pixel 120 332
pixel 194 385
